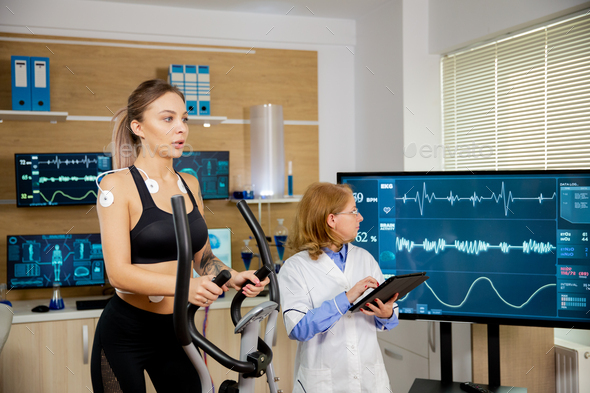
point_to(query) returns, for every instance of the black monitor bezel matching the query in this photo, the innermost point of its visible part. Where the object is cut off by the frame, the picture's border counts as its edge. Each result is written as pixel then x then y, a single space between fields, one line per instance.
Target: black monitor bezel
pixel 18 205
pixel 477 319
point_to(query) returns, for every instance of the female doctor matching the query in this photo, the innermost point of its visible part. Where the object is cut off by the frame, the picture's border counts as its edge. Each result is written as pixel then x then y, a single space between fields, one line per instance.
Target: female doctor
pixel 336 351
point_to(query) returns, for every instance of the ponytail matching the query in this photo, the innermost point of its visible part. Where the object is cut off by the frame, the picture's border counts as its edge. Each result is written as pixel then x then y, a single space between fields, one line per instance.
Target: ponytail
pixel 126 144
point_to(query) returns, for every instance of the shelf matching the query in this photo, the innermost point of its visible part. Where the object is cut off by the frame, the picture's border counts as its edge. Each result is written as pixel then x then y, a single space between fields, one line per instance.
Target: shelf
pixel 286 199
pixel 52 117
pixel 203 120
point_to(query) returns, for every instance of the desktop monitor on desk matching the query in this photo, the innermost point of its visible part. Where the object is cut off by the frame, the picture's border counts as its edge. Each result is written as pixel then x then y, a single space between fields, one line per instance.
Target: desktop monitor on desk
pixel 37 261
pixel 508 248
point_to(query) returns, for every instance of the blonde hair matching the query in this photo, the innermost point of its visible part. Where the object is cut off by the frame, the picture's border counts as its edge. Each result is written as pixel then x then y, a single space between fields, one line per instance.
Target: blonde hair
pixel 311 231
pixel 127 145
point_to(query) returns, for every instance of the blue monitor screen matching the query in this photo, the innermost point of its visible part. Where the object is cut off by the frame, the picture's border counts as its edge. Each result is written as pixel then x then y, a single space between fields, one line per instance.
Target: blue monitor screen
pixel 211 168
pixel 37 261
pixel 220 241
pixel 508 246
pixel 58 179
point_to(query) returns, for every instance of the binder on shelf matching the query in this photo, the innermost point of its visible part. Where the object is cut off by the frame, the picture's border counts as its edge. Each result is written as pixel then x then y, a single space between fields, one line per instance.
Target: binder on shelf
pixel 190 89
pixel 39 76
pixel 203 91
pixel 176 76
pixel 21 85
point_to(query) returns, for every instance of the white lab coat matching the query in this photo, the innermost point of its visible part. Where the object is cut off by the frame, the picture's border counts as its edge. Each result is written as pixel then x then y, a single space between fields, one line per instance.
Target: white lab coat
pixel 347 357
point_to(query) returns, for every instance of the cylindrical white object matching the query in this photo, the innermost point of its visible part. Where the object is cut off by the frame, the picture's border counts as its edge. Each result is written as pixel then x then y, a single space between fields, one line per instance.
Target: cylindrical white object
pixel 267 150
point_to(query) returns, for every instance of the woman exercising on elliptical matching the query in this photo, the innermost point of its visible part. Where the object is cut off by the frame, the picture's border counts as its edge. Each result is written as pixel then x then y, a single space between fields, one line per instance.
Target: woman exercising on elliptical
pixel 135 331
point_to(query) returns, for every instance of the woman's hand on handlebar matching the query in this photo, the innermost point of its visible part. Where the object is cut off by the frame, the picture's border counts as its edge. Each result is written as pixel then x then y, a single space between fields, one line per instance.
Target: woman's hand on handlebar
pixel 241 278
pixel 202 291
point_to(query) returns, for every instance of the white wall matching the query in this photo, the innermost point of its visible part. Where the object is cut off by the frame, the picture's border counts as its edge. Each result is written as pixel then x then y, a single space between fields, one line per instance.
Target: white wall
pixel 105 20
pixel 379 89
pixel 421 93
pixel 458 23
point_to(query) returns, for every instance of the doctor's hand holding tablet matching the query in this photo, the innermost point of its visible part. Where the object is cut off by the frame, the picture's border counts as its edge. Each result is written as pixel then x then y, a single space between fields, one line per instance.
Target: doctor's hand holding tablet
pixel 364 287
pixel 337 350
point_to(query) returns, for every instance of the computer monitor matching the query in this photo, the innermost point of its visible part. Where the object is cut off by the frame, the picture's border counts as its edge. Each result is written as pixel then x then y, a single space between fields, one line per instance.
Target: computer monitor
pixel 220 241
pixel 504 247
pixel 37 261
pixel 58 178
pixel 211 168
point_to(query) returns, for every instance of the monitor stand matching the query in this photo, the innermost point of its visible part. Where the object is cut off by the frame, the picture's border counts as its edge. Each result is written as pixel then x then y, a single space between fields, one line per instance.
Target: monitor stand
pixel 446 353
pixel 493 354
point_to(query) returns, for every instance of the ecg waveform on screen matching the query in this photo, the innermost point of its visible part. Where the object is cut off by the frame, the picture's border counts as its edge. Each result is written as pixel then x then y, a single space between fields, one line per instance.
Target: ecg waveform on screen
pixel 57 161
pixel 66 179
pixel 495 290
pixel 473 247
pixel 67 196
pixel 452 199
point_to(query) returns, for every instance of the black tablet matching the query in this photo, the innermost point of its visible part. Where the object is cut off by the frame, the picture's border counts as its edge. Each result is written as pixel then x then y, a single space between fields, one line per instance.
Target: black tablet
pixel 402 284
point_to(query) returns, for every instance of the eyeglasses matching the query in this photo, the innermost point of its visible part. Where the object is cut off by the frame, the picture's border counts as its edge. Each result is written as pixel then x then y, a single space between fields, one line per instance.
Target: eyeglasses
pixel 355 212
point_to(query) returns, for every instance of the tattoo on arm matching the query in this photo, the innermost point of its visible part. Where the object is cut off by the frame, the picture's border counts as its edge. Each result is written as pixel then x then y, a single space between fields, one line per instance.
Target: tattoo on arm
pixel 210 264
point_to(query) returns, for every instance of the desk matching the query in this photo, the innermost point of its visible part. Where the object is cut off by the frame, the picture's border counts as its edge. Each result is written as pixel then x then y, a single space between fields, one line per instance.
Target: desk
pixel 23 314
pixel 431 386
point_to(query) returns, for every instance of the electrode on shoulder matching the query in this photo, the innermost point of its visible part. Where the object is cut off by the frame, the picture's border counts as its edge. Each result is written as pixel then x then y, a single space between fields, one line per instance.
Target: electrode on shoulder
pixel 107 198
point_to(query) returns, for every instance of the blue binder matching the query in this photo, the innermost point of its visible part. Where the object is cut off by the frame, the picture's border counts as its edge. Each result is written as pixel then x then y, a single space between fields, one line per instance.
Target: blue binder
pixel 40 93
pixel 21 85
pixel 203 90
pixel 190 88
pixel 176 76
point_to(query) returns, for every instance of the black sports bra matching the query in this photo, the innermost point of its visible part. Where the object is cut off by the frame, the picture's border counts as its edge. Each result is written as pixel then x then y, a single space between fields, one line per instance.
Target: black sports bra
pixel 153 238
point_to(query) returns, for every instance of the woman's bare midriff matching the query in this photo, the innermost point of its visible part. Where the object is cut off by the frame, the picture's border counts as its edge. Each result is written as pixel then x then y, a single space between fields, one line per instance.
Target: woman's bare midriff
pixel 166 306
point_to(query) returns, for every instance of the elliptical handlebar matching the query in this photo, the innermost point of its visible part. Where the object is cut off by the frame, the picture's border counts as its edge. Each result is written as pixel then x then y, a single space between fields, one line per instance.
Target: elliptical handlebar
pixel 267 265
pixel 183 271
pixel 184 312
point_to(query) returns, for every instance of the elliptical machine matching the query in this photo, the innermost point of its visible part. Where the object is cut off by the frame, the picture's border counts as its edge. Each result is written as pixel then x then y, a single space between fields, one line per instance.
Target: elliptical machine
pixel 255 352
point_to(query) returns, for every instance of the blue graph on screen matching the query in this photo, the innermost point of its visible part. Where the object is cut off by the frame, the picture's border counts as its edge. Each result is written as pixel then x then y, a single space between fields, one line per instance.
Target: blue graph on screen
pixel 57 161
pixel 493 198
pixel 473 199
pixel 473 247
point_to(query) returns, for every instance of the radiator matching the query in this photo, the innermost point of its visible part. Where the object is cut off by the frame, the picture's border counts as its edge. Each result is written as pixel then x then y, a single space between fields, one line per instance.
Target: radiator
pixel 572 367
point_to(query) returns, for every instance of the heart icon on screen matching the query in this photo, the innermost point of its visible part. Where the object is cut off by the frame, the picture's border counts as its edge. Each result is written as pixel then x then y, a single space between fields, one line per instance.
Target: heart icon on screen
pixel 386 210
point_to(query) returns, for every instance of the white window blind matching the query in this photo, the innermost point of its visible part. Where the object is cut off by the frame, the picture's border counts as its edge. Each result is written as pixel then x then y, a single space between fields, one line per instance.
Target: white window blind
pixel 521 102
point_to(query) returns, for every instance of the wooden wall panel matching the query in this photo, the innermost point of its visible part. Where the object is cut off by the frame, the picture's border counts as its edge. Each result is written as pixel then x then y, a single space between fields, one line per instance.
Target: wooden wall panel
pixel 526 357
pixel 103 77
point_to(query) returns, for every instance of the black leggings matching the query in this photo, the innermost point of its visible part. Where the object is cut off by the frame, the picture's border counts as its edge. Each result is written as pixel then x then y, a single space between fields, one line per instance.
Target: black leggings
pixel 129 340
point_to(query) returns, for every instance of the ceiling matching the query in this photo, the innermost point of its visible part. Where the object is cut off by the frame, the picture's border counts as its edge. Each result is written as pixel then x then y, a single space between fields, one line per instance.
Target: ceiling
pixel 339 9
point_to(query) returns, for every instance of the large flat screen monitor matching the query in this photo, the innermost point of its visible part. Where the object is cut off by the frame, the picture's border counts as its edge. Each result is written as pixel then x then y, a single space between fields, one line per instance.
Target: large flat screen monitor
pixel 211 168
pixel 37 261
pixel 58 178
pixel 502 247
